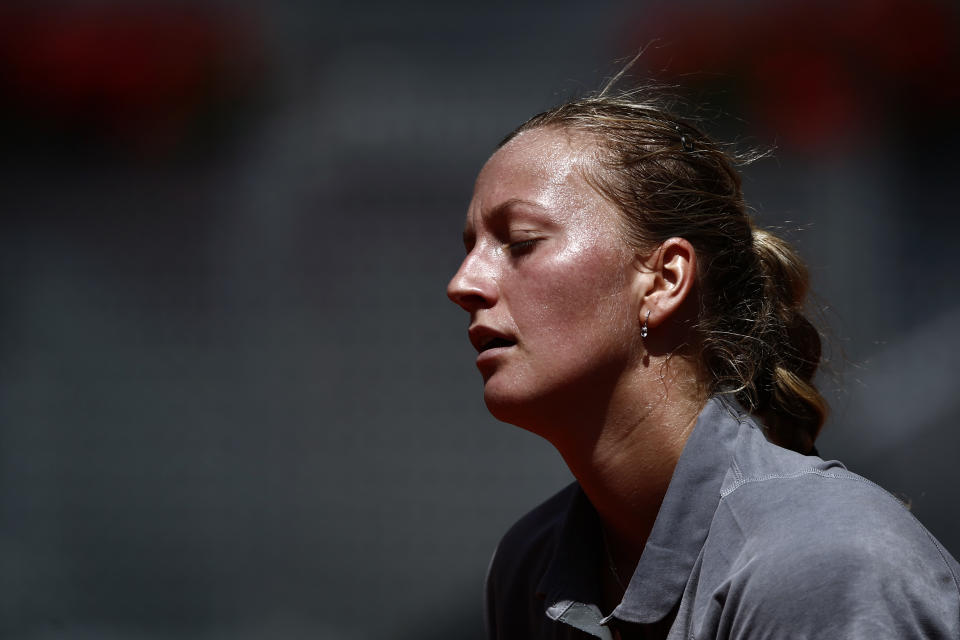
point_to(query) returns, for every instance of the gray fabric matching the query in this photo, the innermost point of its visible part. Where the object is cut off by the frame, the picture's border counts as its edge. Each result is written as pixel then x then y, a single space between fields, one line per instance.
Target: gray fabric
pixel 752 541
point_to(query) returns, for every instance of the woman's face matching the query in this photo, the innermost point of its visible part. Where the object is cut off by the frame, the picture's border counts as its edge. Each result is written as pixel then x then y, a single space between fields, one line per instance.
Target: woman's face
pixel 546 280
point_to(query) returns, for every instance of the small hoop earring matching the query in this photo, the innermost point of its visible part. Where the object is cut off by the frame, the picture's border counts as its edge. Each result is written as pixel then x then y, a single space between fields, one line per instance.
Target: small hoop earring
pixel 643 329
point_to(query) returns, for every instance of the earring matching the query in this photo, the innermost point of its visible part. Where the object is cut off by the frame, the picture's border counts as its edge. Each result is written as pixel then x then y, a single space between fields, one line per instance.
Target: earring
pixel 643 329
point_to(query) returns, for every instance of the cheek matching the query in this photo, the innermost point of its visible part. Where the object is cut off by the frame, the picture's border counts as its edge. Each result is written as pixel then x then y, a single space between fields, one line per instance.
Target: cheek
pixel 583 291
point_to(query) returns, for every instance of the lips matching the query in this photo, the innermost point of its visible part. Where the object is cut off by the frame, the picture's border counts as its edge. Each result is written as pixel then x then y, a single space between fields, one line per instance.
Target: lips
pixel 486 338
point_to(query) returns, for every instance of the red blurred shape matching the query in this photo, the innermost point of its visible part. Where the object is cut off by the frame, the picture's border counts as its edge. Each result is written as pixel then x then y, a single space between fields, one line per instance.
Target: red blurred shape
pixel 123 70
pixel 816 74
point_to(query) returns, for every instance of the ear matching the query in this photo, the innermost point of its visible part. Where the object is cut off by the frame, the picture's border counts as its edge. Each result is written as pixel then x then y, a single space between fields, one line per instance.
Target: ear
pixel 666 278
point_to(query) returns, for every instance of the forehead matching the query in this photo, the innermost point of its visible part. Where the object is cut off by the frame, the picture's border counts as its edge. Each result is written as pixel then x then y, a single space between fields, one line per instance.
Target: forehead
pixel 535 162
pixel 541 168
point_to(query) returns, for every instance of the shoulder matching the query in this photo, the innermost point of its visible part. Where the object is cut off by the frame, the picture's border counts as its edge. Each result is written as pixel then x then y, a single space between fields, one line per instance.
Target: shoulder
pixel 824 550
pixel 520 561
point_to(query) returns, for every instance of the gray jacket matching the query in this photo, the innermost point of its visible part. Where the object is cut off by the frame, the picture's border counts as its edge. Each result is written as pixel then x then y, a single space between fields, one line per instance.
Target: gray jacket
pixel 751 541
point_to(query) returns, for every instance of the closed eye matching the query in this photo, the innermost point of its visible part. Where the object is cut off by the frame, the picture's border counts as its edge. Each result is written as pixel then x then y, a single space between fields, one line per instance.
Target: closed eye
pixel 521 247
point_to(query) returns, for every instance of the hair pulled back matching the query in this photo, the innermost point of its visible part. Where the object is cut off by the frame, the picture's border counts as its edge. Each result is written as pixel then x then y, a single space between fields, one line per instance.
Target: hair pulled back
pixel 669 179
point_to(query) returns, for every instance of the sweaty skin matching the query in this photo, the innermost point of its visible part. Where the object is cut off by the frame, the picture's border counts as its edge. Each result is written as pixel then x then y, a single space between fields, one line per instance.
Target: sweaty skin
pixel 557 299
pixel 546 266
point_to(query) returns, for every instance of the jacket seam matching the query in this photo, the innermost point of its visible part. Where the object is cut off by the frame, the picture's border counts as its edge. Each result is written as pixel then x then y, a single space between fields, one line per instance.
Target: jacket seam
pixel 785 476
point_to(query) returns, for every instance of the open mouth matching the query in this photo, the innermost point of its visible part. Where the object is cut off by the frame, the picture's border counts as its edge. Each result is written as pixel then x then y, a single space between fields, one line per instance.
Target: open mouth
pixel 494 343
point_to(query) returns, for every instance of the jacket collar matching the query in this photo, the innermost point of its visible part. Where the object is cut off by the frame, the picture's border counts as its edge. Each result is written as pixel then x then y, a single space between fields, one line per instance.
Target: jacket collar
pixel 681 527
pixel 677 536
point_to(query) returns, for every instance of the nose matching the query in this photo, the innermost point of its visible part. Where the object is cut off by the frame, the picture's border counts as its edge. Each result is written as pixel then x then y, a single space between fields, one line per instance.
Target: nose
pixel 473 286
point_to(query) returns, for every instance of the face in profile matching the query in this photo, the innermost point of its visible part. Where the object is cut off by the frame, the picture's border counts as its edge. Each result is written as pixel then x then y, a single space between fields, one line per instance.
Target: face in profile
pixel 546 280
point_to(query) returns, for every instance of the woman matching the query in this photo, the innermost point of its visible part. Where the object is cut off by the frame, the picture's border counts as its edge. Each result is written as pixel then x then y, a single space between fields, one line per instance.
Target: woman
pixel 625 308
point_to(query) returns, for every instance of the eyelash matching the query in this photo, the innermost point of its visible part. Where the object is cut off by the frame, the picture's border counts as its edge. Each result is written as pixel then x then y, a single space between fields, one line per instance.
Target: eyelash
pixel 521 247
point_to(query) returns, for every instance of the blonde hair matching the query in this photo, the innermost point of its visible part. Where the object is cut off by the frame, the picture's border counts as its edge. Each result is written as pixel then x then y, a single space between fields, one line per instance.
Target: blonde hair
pixel 669 179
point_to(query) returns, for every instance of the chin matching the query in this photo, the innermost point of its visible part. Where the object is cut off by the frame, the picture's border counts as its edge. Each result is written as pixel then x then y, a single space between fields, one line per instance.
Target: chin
pixel 527 411
pixel 506 404
pixel 554 404
pixel 502 407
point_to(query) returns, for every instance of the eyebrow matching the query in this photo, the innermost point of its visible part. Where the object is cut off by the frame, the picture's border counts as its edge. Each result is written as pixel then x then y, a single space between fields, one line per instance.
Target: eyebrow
pixel 499 211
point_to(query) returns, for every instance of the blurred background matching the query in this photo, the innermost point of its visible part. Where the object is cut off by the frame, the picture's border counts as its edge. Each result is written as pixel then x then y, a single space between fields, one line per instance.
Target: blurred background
pixel 234 400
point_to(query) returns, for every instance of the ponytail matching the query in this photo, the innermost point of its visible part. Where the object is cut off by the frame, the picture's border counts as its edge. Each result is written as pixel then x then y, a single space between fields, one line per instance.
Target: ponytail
pixel 785 394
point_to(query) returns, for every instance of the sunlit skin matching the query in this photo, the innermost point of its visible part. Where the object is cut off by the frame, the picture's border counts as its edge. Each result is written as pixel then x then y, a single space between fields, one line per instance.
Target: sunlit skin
pixel 556 300
pixel 546 268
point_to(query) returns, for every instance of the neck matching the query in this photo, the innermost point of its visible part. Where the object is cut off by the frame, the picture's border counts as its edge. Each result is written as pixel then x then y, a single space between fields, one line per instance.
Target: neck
pixel 624 458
